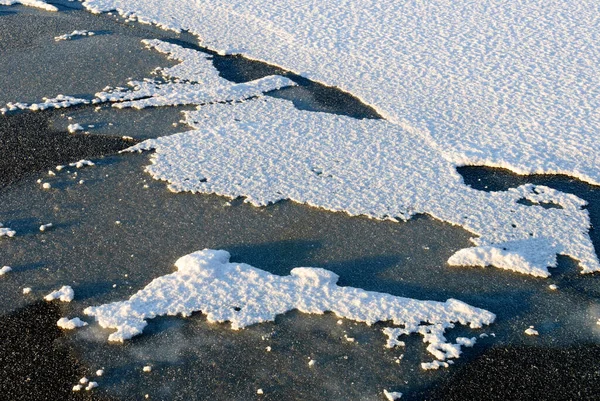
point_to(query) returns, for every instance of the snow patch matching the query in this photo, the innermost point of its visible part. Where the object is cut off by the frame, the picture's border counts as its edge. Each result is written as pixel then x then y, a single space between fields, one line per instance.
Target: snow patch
pixel 266 150
pixel 64 294
pixel 244 295
pixel 29 3
pixel 392 395
pixel 69 36
pixel 6 232
pixel 4 270
pixel 70 324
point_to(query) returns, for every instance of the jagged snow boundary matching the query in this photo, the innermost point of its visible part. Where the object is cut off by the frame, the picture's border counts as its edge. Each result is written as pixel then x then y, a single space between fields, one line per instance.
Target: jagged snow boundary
pixel 266 150
pixel 30 3
pixel 244 295
pixel 492 83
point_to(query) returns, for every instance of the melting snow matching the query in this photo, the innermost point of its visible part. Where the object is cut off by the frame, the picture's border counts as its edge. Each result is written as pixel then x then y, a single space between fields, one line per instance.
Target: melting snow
pixel 244 295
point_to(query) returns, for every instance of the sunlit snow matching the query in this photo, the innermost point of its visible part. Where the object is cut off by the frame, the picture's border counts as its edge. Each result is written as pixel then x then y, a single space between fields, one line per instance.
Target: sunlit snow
pixel 244 295
pixel 266 150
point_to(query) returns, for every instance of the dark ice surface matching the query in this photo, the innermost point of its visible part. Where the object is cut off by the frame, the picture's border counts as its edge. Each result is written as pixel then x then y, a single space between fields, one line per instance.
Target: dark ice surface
pixel 106 261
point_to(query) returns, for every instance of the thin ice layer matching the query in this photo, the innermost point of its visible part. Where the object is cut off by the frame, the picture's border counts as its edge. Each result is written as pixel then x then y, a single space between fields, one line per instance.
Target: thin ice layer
pixel 244 295
pixel 495 82
pixel 266 150
pixel 30 3
pixel 193 81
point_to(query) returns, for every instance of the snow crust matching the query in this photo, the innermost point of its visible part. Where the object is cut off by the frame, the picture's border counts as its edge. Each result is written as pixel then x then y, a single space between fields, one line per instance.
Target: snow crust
pixel 266 150
pixel 193 81
pixel 244 295
pixel 70 324
pixel 30 3
pixel 496 83
pixel 64 294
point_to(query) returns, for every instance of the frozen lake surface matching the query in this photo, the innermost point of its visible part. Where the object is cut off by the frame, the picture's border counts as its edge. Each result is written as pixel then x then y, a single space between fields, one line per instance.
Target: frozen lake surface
pixel 115 229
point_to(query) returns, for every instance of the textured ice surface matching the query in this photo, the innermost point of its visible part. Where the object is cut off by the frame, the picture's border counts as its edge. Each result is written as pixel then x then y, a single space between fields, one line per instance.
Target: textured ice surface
pixel 244 295
pixel 266 150
pixel 64 294
pixel 30 3
pixel 194 81
pixel 498 83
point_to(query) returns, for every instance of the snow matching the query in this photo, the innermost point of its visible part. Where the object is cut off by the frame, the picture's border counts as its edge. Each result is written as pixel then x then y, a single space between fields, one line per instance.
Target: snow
pixel 99 372
pixel 82 163
pixel 4 270
pixel 147 369
pixel 77 387
pixel 392 395
pixel 70 324
pixel 73 128
pixel 45 227
pixel 59 102
pixel 435 365
pixel 64 294
pixel 46 185
pixel 69 36
pixel 26 290
pixel 553 287
pixel 91 385
pixel 531 331
pixel 6 232
pixel 244 295
pixel 30 3
pixel 266 150
pixel 193 81
pixel 493 83
pixel 84 380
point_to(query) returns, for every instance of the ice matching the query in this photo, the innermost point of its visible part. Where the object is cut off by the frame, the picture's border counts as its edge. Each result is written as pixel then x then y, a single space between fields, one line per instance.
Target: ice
pixel 30 3
pixel 266 150
pixel 490 83
pixel 244 295
pixel 70 324
pixel 64 294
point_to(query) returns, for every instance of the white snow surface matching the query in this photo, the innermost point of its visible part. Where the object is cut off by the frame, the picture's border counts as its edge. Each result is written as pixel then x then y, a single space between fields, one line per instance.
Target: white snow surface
pixel 496 82
pixel 64 294
pixel 70 324
pixel 69 36
pixel 392 395
pixel 266 150
pixel 244 295
pixel 193 81
pixel 30 3
pixel 59 102
pixel 6 232
pixel 4 270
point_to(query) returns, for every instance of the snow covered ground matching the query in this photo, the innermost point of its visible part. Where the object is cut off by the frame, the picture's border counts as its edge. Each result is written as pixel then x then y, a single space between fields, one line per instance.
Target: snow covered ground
pixel 449 94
